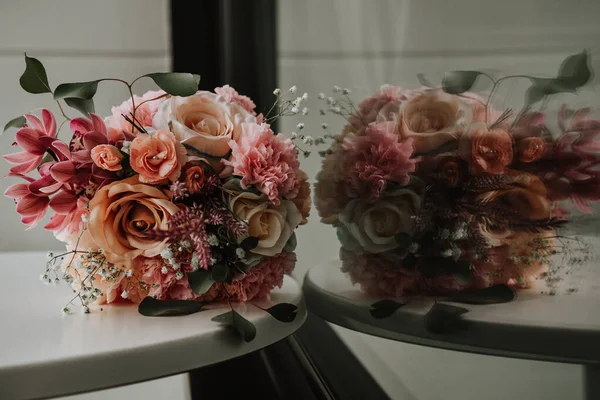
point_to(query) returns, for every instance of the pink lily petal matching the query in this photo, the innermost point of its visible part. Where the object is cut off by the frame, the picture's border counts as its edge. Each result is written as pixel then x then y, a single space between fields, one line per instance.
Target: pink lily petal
pixel 28 139
pixel 81 125
pixel 579 117
pixel 98 124
pixel 32 205
pixel 62 171
pixel 49 123
pixel 18 175
pixel 63 202
pixel 581 204
pixel 61 149
pixel 81 156
pixel 17 191
pixel 56 222
pixel 93 139
pixel 34 122
pixel 33 220
pixel 102 173
pixel 45 184
pixel 26 167
pixel 562 116
pixel 18 158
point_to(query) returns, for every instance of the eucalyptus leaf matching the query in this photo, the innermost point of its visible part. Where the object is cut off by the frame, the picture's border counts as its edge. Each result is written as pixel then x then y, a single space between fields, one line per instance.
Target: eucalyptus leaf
pixel 384 308
pixel 444 318
pixel 244 328
pixel 200 280
pixel 490 295
pixel 291 244
pixel 84 106
pixel 220 272
pixel 151 307
pixel 249 243
pixel 424 81
pixel 34 79
pixel 533 95
pixel 78 90
pixel 176 83
pixel 284 312
pixel 457 82
pixel 15 123
pixel 575 71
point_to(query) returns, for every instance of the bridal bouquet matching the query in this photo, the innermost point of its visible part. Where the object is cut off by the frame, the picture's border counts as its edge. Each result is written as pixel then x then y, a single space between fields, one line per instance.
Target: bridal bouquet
pixel 437 191
pixel 179 198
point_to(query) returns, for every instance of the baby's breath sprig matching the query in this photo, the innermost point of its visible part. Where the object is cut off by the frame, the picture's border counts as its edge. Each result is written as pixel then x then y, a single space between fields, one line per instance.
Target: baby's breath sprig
pixel 286 106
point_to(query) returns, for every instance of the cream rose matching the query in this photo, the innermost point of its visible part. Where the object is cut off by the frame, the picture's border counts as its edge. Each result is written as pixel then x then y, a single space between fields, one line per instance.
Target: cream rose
pixel 203 121
pixel 432 118
pixel 120 215
pixel 373 227
pixel 272 225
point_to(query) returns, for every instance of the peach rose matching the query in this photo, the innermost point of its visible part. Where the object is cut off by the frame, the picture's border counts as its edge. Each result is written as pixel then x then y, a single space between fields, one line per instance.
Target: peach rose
pixel 157 157
pixel 122 213
pixel 205 122
pixel 531 149
pixel 108 157
pixel 272 225
pixel 432 118
pixel 302 199
pixel 486 151
pixel 194 179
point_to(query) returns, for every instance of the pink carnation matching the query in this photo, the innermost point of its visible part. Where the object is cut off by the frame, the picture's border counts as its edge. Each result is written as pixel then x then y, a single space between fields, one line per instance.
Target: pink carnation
pixel 265 160
pixel 164 285
pixel 143 115
pixel 369 108
pixel 375 159
pixel 232 96
pixel 263 278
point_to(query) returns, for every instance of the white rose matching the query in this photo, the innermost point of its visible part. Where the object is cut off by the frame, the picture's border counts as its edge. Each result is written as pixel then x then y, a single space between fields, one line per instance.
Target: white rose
pixel 272 225
pixel 203 121
pixel 373 227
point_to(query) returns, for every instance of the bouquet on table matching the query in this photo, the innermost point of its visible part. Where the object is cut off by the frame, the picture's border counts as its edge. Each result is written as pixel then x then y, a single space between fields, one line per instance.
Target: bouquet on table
pixel 179 198
pixel 435 191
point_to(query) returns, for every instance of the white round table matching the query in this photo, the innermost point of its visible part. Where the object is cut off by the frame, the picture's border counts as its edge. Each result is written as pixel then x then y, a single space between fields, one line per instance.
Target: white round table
pixel 45 354
pixel 561 328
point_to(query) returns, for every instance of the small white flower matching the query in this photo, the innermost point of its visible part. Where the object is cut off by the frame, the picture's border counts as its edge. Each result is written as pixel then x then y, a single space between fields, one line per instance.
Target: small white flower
pixel 213 240
pixel 49 255
pixel 126 146
pixel 179 275
pixel 293 89
pixel 124 294
pixel 277 92
pixel 319 140
pixel 336 110
pixel 68 279
pixel 321 96
pixel 336 89
pixel 101 251
pixel 85 310
pixel 56 281
pixel 78 264
pixel 212 261
pixel 297 101
pixel 447 253
pixel 460 234
pixel 307 140
pixel 44 278
pixel 346 91
pixel 175 265
pixel 240 253
pixel 300 126
pixel 295 110
pixel 129 273
pixel 186 244
pixel 413 247
pixel 444 234
pixel 306 154
pixel 294 135
pixel 84 218
pixel 331 101
pixel 166 253
pixel 324 125
pixel 456 253
pixel 305 111
pixel 164 270
pixel 322 111
pixel 195 263
pixel 65 311
pixel 305 96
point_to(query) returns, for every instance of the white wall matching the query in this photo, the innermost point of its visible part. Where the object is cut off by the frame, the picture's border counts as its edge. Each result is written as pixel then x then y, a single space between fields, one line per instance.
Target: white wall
pixel 361 44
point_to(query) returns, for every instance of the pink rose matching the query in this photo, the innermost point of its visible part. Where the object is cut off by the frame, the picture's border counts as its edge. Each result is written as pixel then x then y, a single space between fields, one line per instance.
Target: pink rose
pixel 486 151
pixel 157 157
pixel 107 157
pixel 531 149
pixel 146 109
pixel 203 122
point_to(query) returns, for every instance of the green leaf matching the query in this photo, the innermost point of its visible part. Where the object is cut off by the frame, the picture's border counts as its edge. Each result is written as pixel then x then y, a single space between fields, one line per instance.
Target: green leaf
pixel 491 295
pixel 151 307
pixel 284 312
pixel 84 106
pixel 244 328
pixel 457 82
pixel 220 272
pixel 533 95
pixel 249 243
pixel 200 280
pixel 78 90
pixel 575 71
pixel 34 79
pixel 291 244
pixel 404 240
pixel 444 318
pixel 384 308
pixel 15 123
pixel 176 83
pixel 424 81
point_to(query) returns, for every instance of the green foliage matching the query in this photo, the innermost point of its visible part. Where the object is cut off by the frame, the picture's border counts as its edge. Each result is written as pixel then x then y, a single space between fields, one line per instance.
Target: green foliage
pixel 34 79
pixel 151 307
pixel 200 280
pixel 457 82
pixel 15 123
pixel 384 308
pixel 84 106
pixel 176 83
pixel 284 312
pixel 241 325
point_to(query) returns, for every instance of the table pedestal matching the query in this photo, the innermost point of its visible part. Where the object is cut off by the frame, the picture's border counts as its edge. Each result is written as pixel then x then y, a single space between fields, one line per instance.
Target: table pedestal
pixel 592 382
